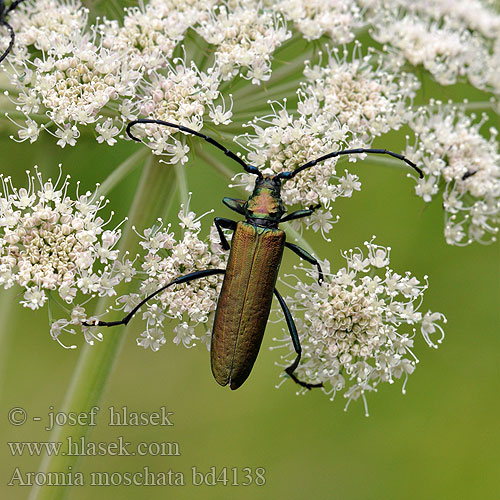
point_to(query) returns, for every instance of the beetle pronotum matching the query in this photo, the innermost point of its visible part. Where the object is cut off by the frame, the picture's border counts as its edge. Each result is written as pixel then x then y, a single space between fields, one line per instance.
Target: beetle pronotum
pixel 250 276
pixel 4 11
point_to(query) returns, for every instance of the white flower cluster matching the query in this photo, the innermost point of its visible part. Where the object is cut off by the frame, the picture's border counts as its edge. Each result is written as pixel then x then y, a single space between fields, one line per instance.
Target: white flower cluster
pixel 245 38
pixel 452 40
pixel 368 93
pixel 314 18
pixel 457 157
pixel 106 74
pixel 282 141
pixel 473 14
pixel 45 24
pixel 50 242
pixel 182 95
pixel 191 304
pixel 358 327
pixel 149 33
pixel 73 79
pixel 345 103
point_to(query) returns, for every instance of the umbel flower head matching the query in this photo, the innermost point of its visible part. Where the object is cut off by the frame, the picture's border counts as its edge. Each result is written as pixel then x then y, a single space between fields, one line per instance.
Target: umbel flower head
pixel 453 153
pixel 206 64
pixel 57 247
pixel 359 327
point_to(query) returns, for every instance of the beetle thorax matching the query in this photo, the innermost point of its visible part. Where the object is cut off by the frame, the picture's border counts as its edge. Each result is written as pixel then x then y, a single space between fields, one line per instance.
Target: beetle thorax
pixel 265 202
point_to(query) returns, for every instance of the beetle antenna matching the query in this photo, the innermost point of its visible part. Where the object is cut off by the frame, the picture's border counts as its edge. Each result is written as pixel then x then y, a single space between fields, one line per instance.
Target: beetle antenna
pixel 3 14
pixel 248 168
pixel 290 175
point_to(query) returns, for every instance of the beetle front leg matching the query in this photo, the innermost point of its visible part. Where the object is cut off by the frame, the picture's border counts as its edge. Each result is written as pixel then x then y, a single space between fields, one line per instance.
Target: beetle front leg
pixel 296 343
pixel 177 281
pixel 303 254
pixel 221 223
pixel 235 204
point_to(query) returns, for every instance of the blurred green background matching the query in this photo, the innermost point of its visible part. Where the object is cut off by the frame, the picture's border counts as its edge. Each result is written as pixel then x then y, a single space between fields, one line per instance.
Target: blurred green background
pixel 441 440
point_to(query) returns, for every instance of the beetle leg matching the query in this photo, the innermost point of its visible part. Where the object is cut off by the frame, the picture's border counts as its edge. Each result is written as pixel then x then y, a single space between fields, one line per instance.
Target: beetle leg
pixel 220 223
pixel 303 254
pixel 13 5
pixel 177 281
pixel 296 343
pixel 298 214
pixel 234 204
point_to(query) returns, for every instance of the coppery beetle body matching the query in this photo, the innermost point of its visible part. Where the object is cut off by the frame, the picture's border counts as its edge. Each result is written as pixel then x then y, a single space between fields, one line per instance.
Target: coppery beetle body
pixel 245 301
pixel 248 287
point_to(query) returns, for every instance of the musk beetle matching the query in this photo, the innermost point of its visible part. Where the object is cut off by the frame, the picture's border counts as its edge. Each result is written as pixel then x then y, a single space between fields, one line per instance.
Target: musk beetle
pixel 250 276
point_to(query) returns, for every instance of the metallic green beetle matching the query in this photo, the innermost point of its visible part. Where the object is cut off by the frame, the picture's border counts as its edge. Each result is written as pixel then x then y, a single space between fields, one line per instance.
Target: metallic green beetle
pixel 250 277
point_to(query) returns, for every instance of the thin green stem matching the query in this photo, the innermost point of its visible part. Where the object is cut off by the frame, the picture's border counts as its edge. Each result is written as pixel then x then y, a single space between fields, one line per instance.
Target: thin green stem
pixel 285 72
pixel 180 174
pixel 7 331
pixel 122 170
pixel 219 167
pixel 478 106
pixel 96 363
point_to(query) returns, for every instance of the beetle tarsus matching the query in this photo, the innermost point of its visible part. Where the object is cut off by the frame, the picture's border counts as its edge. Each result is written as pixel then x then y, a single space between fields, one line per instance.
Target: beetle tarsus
pixel 299 382
pixel 304 254
pixel 296 344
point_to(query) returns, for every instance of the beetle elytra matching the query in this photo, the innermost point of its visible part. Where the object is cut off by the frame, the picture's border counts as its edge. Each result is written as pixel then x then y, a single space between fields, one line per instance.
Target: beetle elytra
pixel 250 276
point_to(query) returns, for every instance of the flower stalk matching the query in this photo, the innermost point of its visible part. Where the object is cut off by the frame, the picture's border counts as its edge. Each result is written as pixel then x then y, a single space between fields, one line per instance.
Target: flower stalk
pixel 96 363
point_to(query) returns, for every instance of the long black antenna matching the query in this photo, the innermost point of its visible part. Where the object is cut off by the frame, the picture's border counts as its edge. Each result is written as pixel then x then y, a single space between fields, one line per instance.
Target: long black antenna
pixel 290 175
pixel 248 168
pixel 3 14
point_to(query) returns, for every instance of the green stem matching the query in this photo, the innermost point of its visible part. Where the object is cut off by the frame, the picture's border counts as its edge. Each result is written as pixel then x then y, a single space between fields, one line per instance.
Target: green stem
pixel 477 106
pixel 180 174
pixel 7 332
pixel 120 172
pixel 218 166
pixel 96 363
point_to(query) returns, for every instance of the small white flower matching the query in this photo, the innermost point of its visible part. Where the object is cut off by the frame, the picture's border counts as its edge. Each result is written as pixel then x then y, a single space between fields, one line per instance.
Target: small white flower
pixel 34 298
pixel 107 132
pixel 67 135
pixel 185 334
